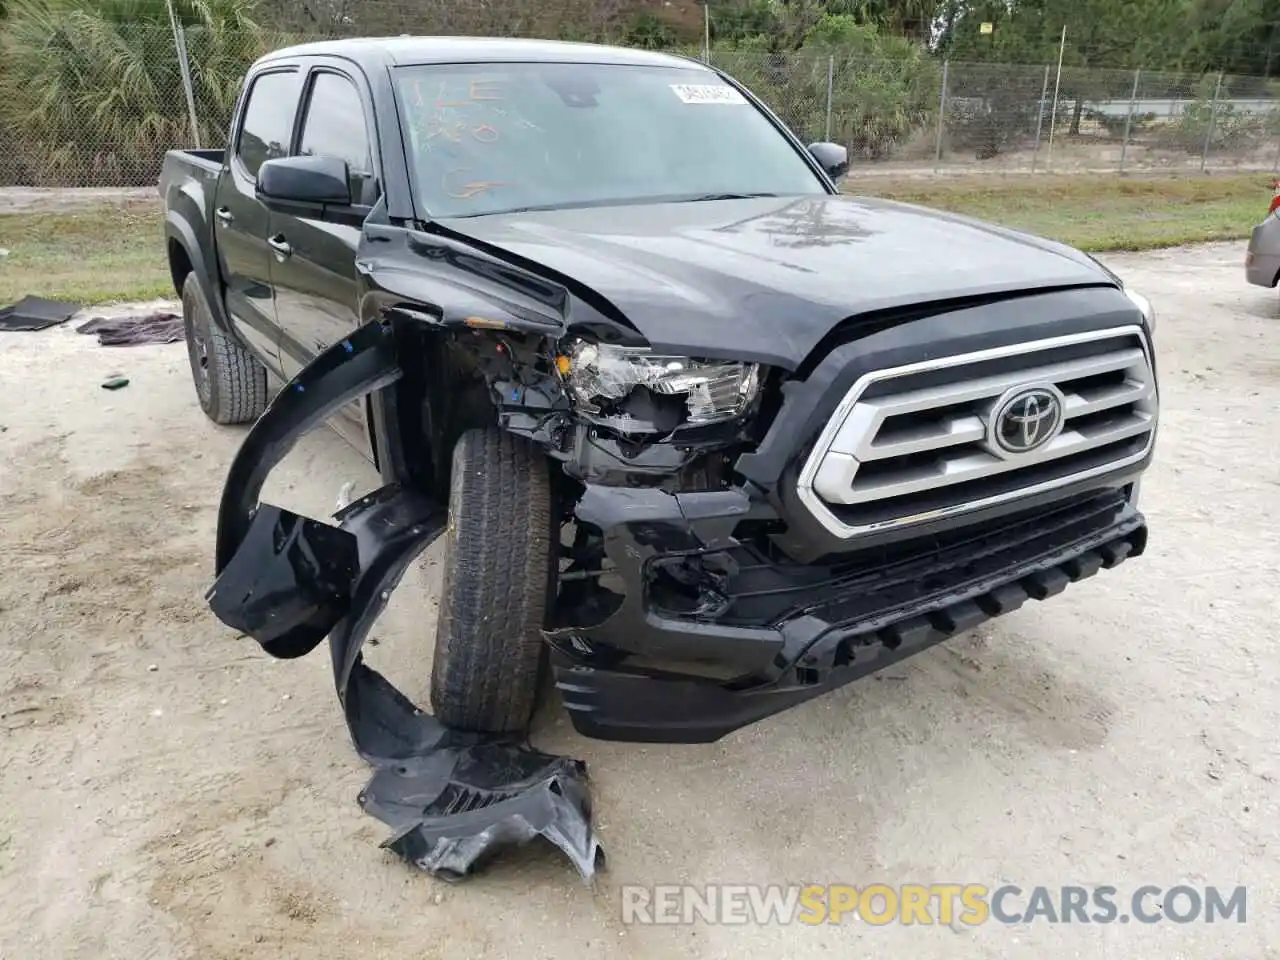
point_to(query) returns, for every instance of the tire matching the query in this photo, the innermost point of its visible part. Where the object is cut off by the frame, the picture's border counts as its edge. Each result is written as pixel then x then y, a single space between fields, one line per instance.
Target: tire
pixel 231 384
pixel 498 573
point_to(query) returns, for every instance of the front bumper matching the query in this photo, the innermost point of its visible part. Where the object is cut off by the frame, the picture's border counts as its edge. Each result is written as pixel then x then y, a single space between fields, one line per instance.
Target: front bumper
pixel 786 633
pixel 1262 259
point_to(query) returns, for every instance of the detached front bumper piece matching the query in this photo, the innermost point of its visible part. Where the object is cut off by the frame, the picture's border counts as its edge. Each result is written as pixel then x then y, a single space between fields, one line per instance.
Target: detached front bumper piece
pixel 452 798
pixel 789 633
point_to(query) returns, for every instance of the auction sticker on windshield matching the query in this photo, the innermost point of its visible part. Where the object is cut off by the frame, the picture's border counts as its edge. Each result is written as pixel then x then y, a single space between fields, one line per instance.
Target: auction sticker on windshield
pixel 707 93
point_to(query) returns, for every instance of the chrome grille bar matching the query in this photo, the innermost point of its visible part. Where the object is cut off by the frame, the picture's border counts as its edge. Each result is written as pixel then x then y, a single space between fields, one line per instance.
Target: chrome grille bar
pixel 894 438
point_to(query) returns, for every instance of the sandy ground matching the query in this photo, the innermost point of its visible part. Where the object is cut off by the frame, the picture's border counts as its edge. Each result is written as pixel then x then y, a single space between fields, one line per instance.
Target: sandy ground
pixel 170 792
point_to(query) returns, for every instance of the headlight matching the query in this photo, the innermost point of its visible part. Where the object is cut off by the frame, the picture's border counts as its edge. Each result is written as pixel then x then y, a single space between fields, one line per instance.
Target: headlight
pixel 713 390
pixel 1143 304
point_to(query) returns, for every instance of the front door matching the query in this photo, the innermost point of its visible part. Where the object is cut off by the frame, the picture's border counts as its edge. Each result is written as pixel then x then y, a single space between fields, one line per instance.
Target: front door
pixel 314 272
pixel 242 223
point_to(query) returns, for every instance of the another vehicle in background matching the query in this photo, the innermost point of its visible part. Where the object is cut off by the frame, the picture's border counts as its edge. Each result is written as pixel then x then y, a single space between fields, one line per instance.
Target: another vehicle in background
pixel 1262 261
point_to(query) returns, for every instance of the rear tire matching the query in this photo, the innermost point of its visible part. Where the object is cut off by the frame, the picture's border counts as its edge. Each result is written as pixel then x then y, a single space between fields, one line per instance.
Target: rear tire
pixel 498 572
pixel 231 384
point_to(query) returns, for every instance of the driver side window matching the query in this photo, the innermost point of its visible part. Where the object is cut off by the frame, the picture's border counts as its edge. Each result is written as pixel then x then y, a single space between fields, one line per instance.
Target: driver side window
pixel 268 120
pixel 334 126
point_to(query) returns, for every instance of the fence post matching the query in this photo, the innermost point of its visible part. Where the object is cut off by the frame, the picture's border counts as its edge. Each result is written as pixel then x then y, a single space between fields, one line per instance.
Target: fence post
pixel 942 113
pixel 1044 92
pixel 831 77
pixel 706 31
pixel 1057 89
pixel 1213 117
pixel 184 67
pixel 1128 121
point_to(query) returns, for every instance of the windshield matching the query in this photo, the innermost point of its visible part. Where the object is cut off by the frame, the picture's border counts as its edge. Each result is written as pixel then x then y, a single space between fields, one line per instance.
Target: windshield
pixel 498 137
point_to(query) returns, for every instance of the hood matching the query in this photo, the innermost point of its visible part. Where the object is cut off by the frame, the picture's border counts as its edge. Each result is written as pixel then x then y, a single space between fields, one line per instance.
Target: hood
pixel 766 278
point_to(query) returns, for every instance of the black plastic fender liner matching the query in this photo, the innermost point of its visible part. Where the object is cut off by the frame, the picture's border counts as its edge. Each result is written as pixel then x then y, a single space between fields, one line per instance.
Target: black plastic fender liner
pixel 351 368
pixel 288 583
pixel 452 798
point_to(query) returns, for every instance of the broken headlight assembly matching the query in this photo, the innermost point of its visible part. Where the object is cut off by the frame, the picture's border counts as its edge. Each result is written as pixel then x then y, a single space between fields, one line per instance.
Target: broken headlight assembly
pixel 634 390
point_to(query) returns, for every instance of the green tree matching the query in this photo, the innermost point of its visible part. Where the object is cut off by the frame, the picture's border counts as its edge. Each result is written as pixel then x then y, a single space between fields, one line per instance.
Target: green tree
pixel 884 87
pixel 1104 40
pixel 1099 33
pixel 733 23
pixel 1240 36
pixel 1236 36
pixel 91 90
pixel 912 19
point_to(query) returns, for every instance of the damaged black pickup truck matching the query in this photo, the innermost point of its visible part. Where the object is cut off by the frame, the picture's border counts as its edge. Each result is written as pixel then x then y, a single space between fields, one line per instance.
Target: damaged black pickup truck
pixel 712 439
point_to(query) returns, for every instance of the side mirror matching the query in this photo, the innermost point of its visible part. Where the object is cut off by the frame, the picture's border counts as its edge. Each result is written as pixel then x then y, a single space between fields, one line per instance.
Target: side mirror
pixel 833 158
pixel 299 184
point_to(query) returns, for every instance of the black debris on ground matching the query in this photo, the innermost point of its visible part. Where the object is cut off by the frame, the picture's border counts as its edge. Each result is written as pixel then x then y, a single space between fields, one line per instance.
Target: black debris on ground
pixel 453 799
pixel 132 331
pixel 36 313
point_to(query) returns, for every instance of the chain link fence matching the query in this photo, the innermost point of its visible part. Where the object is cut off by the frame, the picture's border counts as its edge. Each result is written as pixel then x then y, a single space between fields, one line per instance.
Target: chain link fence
pixel 84 109
pixel 920 115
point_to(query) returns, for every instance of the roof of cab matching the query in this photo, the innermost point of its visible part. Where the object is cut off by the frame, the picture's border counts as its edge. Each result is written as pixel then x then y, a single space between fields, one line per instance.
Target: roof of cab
pixel 393 51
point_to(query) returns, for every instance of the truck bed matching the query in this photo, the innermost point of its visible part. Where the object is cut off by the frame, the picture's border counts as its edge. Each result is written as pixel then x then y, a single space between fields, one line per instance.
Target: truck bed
pixel 182 165
pixel 207 159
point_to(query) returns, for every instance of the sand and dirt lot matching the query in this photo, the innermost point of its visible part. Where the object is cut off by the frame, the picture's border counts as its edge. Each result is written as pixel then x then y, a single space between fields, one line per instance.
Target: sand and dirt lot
pixel 168 791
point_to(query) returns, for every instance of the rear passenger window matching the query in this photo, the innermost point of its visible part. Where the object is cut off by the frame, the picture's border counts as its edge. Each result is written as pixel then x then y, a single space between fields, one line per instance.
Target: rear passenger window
pixel 268 120
pixel 334 127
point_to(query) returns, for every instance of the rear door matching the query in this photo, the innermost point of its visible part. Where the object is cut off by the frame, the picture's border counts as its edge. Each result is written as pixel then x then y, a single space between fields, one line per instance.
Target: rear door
pixel 315 282
pixel 264 131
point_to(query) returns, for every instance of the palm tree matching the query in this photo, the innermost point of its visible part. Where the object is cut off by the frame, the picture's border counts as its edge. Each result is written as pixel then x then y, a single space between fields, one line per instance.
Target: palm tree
pixel 91 90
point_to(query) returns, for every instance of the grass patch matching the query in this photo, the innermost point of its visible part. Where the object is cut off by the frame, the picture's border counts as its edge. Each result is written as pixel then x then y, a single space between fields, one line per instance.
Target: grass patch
pixel 116 251
pixel 1097 213
pixel 87 255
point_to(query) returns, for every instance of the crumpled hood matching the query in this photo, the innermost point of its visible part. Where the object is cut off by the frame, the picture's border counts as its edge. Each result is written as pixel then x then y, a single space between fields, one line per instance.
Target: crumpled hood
pixel 765 279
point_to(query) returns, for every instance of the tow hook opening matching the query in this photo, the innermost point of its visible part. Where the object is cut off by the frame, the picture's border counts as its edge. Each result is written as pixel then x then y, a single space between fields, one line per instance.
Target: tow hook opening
pixel 588 591
pixel 692 585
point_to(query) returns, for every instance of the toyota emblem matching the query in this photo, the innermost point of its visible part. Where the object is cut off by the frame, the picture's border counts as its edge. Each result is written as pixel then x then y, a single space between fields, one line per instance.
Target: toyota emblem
pixel 1026 418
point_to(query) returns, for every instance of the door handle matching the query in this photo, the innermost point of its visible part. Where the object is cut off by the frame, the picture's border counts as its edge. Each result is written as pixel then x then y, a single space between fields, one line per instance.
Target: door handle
pixel 280 245
pixel 224 214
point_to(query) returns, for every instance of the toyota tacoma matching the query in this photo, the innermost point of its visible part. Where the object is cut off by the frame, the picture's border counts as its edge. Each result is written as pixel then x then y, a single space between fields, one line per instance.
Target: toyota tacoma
pixel 708 438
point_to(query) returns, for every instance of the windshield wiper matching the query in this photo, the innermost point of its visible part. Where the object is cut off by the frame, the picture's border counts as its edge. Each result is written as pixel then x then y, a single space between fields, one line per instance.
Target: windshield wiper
pixel 609 202
pixel 549 207
pixel 727 196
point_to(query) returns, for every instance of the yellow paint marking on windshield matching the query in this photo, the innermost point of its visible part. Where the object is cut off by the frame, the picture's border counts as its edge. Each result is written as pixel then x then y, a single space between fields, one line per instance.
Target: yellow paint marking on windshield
pixel 450 130
pixel 468 190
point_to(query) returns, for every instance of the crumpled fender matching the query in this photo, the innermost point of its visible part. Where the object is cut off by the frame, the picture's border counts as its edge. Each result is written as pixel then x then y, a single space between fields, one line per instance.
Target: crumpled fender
pixel 452 798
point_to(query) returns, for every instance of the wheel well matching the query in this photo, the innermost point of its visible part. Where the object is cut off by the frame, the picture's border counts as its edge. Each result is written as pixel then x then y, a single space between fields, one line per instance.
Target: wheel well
pixel 440 396
pixel 179 264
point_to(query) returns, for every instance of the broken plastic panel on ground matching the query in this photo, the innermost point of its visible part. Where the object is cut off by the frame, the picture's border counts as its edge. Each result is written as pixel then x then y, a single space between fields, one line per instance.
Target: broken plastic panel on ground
pixel 452 798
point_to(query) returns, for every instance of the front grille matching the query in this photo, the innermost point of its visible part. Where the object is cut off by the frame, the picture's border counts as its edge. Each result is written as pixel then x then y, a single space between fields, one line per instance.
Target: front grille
pixel 917 442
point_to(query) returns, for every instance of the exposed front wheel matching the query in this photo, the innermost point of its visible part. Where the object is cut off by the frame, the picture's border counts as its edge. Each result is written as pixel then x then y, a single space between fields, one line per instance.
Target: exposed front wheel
pixel 498 573
pixel 231 384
